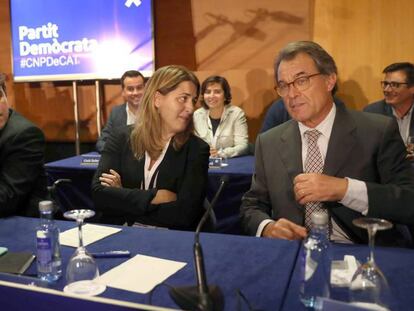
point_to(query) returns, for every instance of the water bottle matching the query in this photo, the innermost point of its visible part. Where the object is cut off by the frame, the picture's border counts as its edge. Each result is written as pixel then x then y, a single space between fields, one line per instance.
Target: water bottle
pixel 49 261
pixel 316 262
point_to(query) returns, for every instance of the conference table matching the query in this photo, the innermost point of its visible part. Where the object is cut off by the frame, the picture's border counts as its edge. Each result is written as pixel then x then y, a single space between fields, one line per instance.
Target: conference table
pixel 395 263
pixel 266 271
pixel 80 169
pixel 259 268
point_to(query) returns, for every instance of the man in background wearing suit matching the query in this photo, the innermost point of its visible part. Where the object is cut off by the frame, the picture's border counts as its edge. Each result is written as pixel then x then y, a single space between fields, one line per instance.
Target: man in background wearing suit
pixel 348 164
pixel 132 83
pixel 398 89
pixel 22 175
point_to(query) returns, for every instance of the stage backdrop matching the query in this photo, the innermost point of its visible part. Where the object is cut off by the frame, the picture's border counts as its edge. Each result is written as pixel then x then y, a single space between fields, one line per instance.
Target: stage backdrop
pixel 362 36
pixel 81 39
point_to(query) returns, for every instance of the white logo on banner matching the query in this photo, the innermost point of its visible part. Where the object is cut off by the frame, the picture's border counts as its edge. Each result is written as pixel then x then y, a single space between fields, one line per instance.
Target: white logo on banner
pixel 128 3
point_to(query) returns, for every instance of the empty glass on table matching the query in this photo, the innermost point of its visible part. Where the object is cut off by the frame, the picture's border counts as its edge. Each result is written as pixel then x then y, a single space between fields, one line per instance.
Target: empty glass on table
pixel 82 270
pixel 369 287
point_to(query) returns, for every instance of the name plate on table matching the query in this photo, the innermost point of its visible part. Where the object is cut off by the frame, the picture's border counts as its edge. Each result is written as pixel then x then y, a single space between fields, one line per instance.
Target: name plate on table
pixel 90 159
pixel 215 162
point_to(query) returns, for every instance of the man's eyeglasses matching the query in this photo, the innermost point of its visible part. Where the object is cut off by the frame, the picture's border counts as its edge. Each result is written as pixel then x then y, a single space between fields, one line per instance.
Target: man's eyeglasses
pixel 301 84
pixel 392 84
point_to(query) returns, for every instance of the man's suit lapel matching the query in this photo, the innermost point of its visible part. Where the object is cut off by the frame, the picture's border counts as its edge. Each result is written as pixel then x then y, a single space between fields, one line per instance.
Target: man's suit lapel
pixel 411 132
pixel 388 112
pixel 291 150
pixel 124 116
pixel 341 142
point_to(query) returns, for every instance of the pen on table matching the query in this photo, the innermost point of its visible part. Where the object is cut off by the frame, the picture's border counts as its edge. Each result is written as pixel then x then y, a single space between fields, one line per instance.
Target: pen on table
pixel 29 277
pixel 111 254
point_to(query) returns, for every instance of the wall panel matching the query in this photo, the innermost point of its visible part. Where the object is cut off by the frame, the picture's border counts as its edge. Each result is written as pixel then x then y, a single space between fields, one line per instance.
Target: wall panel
pixel 238 40
pixel 364 37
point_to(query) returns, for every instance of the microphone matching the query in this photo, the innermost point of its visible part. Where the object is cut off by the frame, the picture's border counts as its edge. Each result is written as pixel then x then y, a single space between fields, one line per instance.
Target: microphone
pixel 53 189
pixel 201 297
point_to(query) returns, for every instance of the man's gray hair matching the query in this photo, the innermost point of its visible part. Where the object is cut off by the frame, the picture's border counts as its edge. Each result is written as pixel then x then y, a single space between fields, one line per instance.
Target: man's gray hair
pixel 3 82
pixel 323 61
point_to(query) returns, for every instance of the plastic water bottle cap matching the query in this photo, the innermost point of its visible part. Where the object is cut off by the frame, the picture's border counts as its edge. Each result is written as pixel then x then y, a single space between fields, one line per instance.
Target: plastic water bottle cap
pixel 46 206
pixel 319 218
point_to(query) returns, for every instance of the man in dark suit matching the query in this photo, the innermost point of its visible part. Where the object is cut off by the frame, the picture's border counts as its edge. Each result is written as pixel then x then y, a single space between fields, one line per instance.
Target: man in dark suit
pixel 398 89
pixel 22 175
pixel 363 170
pixel 132 83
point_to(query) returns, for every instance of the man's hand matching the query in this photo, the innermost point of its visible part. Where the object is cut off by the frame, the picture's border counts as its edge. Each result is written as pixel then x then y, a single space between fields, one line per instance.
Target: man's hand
pixel 410 156
pixel 311 187
pixel 111 179
pixel 284 229
pixel 164 196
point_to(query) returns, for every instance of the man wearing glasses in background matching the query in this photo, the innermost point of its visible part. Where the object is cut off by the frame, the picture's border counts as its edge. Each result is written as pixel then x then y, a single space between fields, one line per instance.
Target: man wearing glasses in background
pixel 348 164
pixel 398 88
pixel 132 83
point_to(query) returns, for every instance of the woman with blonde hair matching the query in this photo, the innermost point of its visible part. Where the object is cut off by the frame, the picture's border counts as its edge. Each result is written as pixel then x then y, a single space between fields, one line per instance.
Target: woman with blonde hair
pixel 155 172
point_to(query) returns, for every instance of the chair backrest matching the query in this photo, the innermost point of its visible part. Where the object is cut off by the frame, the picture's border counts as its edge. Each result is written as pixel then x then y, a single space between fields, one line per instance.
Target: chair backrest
pixel 406 233
pixel 37 194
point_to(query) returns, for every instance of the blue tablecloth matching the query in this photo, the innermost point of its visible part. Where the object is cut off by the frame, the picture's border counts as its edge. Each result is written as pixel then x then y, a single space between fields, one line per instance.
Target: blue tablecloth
pixel 266 271
pixel 260 268
pixel 395 263
pixel 78 194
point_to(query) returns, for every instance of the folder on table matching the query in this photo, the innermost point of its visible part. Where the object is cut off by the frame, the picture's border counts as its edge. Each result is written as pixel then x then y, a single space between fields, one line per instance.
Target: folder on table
pixel 16 262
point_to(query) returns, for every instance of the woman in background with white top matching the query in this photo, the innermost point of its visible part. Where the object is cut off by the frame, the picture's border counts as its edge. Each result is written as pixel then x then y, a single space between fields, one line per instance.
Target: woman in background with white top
pixel 222 125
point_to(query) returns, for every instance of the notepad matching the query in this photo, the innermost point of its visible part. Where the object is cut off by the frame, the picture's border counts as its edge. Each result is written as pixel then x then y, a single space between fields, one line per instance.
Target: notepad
pixel 16 263
pixel 140 274
pixel 91 234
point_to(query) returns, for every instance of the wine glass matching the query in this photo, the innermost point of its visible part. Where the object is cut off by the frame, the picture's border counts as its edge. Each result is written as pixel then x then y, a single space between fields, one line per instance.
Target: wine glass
pixel 223 141
pixel 223 157
pixel 82 269
pixel 369 287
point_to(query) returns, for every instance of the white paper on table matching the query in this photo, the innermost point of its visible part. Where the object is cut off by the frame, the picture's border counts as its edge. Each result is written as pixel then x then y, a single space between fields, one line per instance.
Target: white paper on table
pixel 343 277
pixel 140 274
pixel 90 234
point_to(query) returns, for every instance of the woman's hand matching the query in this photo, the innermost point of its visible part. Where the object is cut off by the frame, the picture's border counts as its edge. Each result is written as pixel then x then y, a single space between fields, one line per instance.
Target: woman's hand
pixel 213 152
pixel 111 179
pixel 164 196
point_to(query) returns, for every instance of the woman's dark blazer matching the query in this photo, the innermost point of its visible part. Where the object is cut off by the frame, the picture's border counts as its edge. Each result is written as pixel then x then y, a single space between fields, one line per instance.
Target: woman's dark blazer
pixel 183 171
